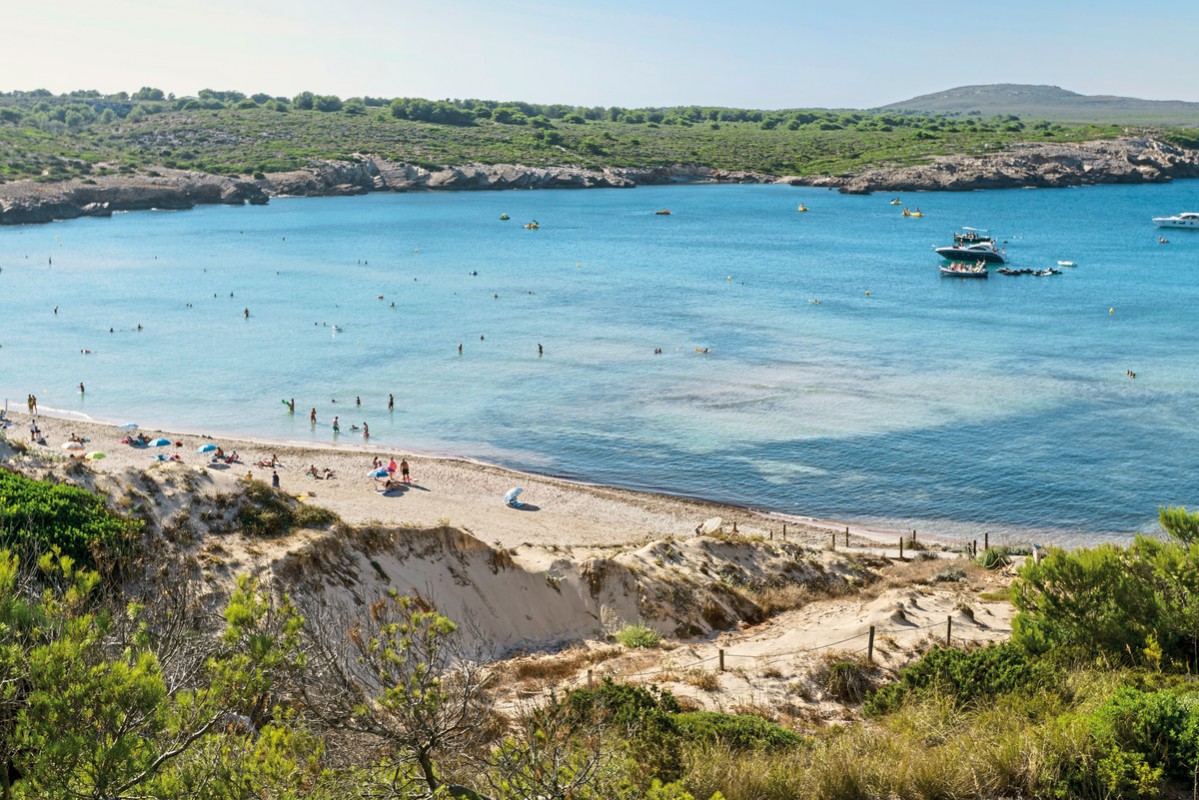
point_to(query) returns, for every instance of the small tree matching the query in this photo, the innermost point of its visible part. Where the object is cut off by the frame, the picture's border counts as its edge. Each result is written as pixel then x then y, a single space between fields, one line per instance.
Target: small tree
pixel 403 675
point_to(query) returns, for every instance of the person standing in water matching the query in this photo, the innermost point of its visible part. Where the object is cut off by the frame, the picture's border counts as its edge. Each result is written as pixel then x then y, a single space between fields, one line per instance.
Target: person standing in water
pixel 336 427
pixel 391 402
pixel 366 431
pixel 312 417
pixel 80 387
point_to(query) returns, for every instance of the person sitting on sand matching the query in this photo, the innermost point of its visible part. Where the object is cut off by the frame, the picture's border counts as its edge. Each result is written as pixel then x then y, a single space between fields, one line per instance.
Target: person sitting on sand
pixel 313 472
pixel 328 474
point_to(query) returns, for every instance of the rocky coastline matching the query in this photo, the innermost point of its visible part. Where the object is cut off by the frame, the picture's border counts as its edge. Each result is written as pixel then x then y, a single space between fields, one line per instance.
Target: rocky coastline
pixel 1128 160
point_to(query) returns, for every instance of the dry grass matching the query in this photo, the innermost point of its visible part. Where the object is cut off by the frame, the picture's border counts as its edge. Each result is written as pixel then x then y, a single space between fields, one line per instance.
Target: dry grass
pixel 704 680
pixel 558 667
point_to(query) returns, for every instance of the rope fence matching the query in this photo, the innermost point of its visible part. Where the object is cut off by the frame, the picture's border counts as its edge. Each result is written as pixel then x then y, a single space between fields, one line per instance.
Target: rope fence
pixel 722 656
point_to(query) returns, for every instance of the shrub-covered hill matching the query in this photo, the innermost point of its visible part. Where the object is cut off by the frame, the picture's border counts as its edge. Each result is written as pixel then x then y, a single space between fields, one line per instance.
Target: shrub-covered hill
pixel 83 134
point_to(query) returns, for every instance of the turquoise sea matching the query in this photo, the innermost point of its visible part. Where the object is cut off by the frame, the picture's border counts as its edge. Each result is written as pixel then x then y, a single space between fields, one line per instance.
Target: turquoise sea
pixel 901 398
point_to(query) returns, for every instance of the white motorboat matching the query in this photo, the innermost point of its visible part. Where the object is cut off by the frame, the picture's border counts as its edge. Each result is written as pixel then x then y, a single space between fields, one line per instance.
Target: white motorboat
pixel 979 251
pixel 1187 219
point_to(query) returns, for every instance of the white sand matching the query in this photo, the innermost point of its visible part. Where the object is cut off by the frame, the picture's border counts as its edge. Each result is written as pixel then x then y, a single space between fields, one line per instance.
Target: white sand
pixel 462 493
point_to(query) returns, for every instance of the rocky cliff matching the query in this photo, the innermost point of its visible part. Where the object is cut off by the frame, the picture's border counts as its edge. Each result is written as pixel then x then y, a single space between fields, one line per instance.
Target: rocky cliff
pixel 1130 160
pixel 27 201
pixel 1031 165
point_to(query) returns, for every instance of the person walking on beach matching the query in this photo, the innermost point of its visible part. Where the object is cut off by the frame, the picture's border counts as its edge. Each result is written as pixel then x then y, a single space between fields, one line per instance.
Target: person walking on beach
pixel 404 470
pixel 274 479
pixel 34 396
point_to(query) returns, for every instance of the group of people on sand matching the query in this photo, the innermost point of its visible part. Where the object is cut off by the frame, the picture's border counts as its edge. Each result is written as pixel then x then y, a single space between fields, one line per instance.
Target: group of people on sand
pixel 392 467
pixel 327 475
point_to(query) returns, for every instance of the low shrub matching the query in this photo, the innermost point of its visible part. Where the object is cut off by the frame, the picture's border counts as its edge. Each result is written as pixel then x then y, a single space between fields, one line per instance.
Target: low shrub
pixel 965 676
pixel 846 679
pixel 636 635
pixel 736 731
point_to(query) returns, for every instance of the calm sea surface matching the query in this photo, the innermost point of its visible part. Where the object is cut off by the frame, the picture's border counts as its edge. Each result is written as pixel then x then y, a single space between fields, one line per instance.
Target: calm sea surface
pixel 901 398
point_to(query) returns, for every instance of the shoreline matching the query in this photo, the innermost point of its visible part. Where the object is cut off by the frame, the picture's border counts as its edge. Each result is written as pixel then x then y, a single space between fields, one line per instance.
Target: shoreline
pixel 446 489
pixel 1040 165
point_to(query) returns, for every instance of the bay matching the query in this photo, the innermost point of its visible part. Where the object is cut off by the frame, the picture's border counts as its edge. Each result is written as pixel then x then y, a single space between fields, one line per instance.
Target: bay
pixel 900 398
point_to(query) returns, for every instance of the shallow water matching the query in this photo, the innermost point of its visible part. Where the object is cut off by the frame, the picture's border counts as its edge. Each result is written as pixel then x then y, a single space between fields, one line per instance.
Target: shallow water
pixel 902 399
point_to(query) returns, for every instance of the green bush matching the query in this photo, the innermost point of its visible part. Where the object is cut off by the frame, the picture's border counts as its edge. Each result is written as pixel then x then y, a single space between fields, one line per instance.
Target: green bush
pixel 735 731
pixel 37 515
pixel 966 677
pixel 268 512
pixel 637 635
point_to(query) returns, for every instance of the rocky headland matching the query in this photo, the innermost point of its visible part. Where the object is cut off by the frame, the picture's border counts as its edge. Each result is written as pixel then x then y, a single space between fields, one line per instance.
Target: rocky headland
pixel 1128 160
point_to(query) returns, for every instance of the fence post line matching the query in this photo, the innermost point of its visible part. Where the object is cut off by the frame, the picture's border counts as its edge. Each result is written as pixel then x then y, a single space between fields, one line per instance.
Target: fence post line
pixel 901 548
pixel 870 645
pixel 948 630
pixel 720 652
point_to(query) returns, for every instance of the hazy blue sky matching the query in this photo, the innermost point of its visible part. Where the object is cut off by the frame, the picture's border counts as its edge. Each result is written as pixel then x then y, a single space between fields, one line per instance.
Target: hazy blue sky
pixel 767 54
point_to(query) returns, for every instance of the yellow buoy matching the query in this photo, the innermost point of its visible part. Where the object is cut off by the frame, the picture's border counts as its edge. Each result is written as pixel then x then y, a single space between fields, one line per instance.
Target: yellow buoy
pixel 729 278
pixel 1111 311
pixel 867 292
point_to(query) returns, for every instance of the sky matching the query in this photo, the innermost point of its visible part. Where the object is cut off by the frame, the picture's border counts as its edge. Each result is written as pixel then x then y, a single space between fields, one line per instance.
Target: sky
pixel 750 54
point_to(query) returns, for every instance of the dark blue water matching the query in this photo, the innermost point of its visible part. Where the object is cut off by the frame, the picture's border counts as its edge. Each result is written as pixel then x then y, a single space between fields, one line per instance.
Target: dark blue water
pixel 901 398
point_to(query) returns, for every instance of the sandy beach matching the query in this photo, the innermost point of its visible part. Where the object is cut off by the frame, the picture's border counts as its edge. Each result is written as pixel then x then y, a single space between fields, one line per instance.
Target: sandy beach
pixel 462 493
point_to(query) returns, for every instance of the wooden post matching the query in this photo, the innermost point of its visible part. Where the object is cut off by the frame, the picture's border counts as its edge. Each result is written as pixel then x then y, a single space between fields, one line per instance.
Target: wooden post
pixel 772 535
pixel 986 541
pixel 721 653
pixel 913 534
pixel 901 548
pixel 832 540
pixel 847 537
pixel 784 531
pixel 870 645
pixel 975 547
pixel 948 630
pixel 590 682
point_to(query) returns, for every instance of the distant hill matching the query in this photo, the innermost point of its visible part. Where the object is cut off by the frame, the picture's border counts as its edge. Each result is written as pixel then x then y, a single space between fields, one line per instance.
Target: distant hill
pixel 1052 103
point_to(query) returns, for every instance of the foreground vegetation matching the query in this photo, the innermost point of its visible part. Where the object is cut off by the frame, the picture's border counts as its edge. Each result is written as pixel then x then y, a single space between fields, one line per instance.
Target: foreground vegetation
pixel 83 134
pixel 119 685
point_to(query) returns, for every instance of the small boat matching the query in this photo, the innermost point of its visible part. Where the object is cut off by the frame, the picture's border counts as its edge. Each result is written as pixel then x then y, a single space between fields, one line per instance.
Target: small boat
pixel 965 271
pixel 802 208
pixel 532 226
pixel 1187 219
pixel 1041 273
pixel 969 235
pixel 1066 264
pixel 504 217
pixel 663 213
pixel 896 202
pixel 916 213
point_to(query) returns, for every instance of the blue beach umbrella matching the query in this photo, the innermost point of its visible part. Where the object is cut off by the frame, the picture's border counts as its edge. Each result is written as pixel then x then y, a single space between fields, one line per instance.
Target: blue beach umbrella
pixel 160 442
pixel 512 494
pixel 381 472
pixel 207 448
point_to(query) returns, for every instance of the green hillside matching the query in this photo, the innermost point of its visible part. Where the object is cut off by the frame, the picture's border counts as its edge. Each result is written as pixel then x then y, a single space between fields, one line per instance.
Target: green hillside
pixel 53 137
pixel 1052 103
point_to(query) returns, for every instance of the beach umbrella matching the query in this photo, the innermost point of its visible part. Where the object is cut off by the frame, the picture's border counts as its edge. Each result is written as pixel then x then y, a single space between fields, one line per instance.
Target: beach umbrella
pixel 160 442
pixel 381 472
pixel 95 456
pixel 206 448
pixel 128 426
pixel 512 494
